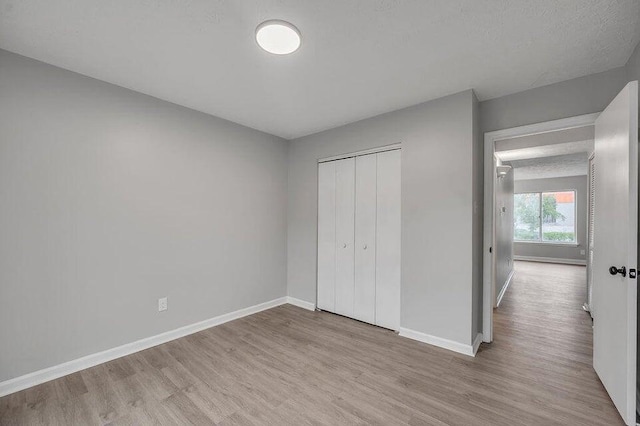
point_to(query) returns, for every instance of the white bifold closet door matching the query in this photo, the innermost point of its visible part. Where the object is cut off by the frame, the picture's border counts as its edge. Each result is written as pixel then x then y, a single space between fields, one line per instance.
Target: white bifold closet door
pixel 359 238
pixel 345 208
pixel 388 227
pixel 365 242
pixel 327 236
pixel 336 209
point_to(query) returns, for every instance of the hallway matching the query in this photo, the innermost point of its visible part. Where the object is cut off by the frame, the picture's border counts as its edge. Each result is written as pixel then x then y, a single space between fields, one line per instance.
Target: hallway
pixel 541 329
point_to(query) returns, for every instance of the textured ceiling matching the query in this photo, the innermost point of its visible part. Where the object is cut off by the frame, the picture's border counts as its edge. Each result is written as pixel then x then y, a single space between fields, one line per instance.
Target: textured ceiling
pixel 546 151
pixel 548 155
pixel 551 167
pixel 358 58
pixel 548 139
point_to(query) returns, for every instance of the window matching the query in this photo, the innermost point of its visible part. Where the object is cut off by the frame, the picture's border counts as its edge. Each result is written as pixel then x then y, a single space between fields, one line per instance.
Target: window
pixel 548 217
pixel 526 216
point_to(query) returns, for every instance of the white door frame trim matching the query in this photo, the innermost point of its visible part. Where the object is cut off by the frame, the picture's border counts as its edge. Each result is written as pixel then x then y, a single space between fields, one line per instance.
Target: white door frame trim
pixel 490 138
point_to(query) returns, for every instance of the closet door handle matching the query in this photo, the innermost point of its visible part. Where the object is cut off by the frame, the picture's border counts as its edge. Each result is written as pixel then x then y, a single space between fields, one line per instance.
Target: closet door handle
pixel 344 245
pixel 364 247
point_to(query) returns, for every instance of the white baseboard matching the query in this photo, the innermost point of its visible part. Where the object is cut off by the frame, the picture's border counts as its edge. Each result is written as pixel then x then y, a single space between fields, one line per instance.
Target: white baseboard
pixel 505 287
pixel 476 343
pixel 51 373
pixel 451 345
pixel 301 303
pixel 551 260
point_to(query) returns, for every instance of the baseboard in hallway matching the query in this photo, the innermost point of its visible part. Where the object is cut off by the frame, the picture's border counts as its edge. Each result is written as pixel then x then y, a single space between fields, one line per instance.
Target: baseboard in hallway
pixel 505 287
pixel 551 260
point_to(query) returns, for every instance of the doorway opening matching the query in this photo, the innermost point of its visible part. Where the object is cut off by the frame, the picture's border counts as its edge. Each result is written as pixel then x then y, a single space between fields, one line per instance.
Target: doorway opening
pixel 540 210
pixel 545 220
pixel 542 207
pixel 537 195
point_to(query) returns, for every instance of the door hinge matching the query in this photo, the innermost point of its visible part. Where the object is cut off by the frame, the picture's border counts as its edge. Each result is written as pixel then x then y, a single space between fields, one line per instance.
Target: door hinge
pixel 632 273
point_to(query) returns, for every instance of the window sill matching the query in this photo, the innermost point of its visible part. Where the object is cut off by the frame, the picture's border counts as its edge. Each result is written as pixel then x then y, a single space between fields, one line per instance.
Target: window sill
pixel 548 243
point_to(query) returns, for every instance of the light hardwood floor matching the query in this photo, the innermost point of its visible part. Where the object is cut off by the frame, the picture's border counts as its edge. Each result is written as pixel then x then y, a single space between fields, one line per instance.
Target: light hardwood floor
pixel 291 366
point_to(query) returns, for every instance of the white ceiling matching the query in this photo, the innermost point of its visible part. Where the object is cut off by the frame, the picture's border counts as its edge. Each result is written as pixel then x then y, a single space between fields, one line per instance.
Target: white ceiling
pixel 546 140
pixel 554 154
pixel 551 167
pixel 546 151
pixel 358 58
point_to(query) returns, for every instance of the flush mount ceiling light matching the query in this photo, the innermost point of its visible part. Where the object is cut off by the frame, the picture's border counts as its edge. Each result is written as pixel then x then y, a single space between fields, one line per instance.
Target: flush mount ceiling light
pixel 278 37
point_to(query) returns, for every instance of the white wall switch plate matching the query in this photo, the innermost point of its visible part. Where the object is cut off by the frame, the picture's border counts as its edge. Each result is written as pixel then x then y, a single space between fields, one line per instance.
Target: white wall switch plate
pixel 162 304
pixel 582 252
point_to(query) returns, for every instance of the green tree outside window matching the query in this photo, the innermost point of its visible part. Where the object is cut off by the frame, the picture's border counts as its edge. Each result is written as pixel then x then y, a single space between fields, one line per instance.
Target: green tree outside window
pixel 551 222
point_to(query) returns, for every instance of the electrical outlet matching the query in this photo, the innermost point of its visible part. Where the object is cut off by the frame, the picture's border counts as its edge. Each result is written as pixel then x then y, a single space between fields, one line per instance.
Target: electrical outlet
pixel 582 252
pixel 162 304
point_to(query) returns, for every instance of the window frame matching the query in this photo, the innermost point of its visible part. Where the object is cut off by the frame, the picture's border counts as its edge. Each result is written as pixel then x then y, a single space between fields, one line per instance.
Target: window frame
pixel 575 242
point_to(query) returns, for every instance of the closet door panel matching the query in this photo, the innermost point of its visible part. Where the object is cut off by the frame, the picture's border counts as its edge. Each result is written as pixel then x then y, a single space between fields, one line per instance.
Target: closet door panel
pixel 327 236
pixel 388 222
pixel 365 239
pixel 345 210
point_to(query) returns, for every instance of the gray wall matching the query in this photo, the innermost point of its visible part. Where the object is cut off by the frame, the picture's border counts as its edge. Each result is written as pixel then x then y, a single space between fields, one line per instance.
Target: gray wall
pixel 504 231
pixel 437 209
pixel 111 199
pixel 633 67
pixel 478 214
pixel 570 98
pixel 558 251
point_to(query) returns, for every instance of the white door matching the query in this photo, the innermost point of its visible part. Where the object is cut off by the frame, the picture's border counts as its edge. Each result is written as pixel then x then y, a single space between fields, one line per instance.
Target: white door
pixel 364 308
pixel 327 236
pixel 388 239
pixel 615 238
pixel 345 214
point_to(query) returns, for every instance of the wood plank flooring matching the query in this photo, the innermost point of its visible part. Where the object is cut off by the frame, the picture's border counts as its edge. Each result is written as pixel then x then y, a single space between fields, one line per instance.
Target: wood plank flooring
pixel 288 366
